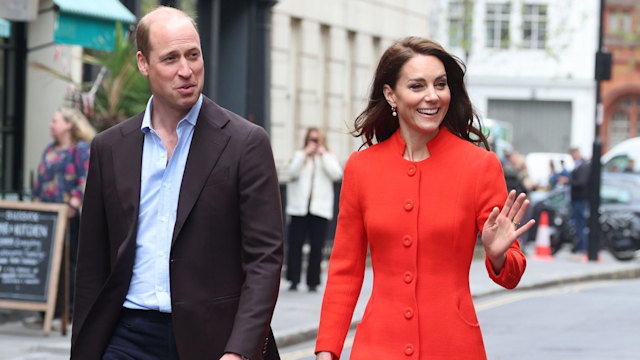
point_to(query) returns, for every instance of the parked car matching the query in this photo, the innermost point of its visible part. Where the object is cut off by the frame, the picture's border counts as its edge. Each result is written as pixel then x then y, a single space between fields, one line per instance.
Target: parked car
pixel 619 215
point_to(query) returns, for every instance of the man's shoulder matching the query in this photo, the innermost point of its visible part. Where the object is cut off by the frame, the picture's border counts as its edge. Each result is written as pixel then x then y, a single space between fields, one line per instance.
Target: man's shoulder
pixel 117 131
pixel 224 117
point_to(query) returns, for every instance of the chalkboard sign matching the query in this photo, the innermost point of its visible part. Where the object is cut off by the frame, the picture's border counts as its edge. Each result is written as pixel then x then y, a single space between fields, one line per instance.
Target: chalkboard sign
pixel 31 243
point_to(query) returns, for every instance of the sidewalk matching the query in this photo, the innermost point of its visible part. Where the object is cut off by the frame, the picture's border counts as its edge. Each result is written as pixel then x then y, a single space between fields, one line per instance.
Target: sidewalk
pixel 297 313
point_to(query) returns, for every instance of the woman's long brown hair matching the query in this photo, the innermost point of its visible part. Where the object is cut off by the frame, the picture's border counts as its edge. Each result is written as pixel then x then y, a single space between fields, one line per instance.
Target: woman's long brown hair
pixel 377 124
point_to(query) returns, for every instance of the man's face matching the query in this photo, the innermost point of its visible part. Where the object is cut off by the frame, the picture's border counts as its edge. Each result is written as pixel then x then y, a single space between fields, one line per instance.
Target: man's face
pixel 174 67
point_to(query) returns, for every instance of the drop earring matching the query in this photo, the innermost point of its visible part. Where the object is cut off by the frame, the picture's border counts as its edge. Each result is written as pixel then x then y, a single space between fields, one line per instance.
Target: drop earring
pixel 393 111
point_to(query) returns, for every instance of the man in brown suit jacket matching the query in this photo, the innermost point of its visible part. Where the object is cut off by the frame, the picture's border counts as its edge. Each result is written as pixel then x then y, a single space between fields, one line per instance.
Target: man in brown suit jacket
pixel 181 232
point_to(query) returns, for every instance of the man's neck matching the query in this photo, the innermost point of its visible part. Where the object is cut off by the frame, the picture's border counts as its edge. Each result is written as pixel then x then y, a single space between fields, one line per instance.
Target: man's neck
pixel 166 118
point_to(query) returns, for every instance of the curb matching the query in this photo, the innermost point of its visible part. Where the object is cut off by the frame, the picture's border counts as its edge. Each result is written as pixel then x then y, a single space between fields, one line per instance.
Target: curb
pixel 611 275
pixel 310 334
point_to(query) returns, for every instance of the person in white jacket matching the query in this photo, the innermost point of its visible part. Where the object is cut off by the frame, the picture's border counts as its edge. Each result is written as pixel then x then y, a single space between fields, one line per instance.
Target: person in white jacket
pixel 310 196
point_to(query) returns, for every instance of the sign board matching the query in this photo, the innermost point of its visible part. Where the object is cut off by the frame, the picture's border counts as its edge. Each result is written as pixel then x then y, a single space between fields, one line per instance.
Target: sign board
pixel 31 247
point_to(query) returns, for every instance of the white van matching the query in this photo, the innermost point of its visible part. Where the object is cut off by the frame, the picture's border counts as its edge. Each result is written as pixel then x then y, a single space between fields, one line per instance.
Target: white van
pixel 538 165
pixel 617 158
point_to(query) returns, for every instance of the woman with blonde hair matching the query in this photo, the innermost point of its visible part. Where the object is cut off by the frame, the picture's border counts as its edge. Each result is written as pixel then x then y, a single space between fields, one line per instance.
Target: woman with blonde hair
pixel 62 172
pixel 313 169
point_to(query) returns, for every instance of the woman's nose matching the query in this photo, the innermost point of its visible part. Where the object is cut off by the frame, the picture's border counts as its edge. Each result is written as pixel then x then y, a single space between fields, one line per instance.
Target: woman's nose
pixel 431 94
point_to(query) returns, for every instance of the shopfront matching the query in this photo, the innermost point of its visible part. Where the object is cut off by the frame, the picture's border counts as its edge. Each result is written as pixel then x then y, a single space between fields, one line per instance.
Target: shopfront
pixel 12 80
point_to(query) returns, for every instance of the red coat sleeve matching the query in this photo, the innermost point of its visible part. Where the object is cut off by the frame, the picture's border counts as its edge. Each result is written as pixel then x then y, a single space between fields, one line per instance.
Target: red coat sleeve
pixel 490 193
pixel 346 268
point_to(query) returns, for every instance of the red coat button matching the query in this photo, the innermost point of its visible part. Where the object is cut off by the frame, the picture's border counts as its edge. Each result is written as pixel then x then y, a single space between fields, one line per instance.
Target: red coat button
pixel 407 240
pixel 408 277
pixel 408 313
pixel 411 170
pixel 408 205
pixel 408 349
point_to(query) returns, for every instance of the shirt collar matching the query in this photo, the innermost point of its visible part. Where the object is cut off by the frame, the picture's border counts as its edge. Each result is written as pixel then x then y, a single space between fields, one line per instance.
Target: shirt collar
pixel 191 117
pixel 434 145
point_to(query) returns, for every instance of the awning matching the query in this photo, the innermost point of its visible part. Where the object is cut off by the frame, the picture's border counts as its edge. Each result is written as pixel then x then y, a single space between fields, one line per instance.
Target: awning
pixel 5 28
pixel 90 24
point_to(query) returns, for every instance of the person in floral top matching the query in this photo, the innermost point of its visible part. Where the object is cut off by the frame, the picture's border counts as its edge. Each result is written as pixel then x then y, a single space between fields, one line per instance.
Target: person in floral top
pixel 63 171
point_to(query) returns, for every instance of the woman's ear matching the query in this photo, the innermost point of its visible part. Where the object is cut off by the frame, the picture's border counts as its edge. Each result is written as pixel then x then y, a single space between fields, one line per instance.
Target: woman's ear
pixel 389 95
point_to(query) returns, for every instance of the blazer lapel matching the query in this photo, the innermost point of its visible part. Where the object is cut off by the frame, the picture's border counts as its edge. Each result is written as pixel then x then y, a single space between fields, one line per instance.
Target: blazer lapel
pixel 208 142
pixel 127 163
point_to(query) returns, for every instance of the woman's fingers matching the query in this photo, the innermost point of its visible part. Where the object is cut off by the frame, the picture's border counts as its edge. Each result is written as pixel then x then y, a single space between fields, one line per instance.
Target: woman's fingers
pixel 515 207
pixel 524 228
pixel 508 203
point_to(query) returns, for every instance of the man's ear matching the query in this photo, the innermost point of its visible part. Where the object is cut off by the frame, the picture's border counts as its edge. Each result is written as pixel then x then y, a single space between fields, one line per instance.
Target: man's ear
pixel 142 64
pixel 389 95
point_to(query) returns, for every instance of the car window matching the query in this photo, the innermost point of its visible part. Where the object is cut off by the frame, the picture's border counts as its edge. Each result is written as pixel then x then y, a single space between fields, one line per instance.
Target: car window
pixel 616 163
pixel 557 200
pixel 612 194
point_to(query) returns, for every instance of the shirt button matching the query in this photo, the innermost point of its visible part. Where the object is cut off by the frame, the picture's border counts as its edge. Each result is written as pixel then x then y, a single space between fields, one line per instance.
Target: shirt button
pixel 406 241
pixel 411 170
pixel 408 277
pixel 408 205
pixel 408 349
pixel 408 313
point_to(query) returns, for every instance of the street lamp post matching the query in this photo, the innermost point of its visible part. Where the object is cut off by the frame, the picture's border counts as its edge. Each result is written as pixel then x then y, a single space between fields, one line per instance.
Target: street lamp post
pixel 603 72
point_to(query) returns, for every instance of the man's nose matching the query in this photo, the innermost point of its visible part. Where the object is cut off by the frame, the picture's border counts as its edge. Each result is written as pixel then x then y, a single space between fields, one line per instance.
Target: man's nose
pixel 185 69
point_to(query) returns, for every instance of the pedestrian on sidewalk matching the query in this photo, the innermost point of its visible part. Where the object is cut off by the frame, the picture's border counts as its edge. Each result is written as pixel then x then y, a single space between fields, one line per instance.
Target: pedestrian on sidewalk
pixel 61 178
pixel 312 171
pixel 417 197
pixel 579 182
pixel 181 236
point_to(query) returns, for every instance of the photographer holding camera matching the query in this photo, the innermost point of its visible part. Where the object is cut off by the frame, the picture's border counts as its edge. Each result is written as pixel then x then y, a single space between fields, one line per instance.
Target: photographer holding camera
pixel 312 171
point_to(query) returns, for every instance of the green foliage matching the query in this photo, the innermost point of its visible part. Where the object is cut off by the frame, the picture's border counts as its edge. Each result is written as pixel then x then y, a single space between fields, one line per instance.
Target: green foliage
pixel 118 92
pixel 123 91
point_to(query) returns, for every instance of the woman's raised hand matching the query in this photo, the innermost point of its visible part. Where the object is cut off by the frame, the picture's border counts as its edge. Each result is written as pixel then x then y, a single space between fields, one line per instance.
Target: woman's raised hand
pixel 502 228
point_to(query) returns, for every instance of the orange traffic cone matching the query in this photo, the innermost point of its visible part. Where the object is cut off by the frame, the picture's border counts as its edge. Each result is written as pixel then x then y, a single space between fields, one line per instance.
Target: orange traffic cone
pixel 543 239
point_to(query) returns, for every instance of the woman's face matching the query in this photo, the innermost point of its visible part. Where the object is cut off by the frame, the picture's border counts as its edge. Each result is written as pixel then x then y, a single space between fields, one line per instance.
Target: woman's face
pixel 58 126
pixel 421 95
pixel 313 137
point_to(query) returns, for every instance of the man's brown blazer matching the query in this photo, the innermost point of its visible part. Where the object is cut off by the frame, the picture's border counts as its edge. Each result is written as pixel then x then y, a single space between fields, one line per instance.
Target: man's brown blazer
pixel 226 251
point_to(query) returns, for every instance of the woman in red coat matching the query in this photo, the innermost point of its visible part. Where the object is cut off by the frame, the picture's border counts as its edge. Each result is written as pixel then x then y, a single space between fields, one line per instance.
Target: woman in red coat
pixel 417 196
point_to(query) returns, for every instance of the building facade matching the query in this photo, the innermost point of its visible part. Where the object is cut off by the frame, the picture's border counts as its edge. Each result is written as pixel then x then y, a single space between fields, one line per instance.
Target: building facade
pixel 531 64
pixel 621 94
pixel 323 58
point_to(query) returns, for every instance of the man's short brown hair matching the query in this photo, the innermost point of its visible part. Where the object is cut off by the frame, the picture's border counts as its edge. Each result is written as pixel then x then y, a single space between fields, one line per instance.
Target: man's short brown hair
pixel 144 25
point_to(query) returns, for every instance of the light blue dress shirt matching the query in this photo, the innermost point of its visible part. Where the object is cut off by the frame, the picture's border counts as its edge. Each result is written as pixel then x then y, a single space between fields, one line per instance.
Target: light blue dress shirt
pixel 159 191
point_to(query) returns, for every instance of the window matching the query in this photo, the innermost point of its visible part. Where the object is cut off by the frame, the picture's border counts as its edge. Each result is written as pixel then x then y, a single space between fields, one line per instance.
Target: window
pixel 618 128
pixel 497 20
pixel 459 23
pixel 534 26
pixel 619 22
